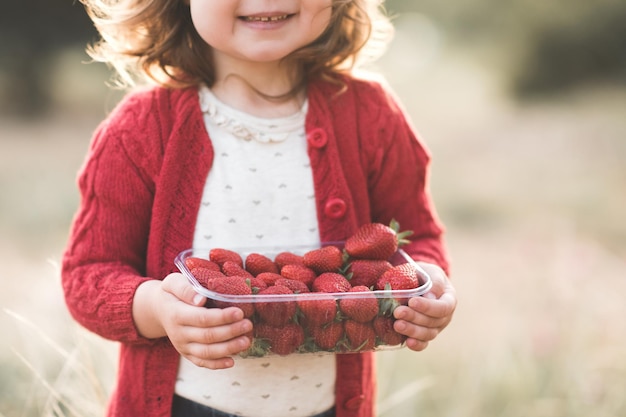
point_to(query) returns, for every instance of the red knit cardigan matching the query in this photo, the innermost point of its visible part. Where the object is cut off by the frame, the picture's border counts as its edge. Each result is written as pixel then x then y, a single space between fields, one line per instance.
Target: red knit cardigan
pixel 141 187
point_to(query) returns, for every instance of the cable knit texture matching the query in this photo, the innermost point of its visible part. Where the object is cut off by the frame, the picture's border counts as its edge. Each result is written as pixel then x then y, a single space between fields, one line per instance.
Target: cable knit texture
pixel 141 187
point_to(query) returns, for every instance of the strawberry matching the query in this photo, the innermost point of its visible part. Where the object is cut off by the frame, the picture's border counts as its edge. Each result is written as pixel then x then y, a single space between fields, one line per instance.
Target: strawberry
pixel 318 311
pixel 298 287
pixel 195 262
pixel 361 336
pixel 276 313
pixel 257 284
pixel 366 271
pixel 361 309
pixel 400 277
pixel 299 273
pixel 326 259
pixel 219 256
pixel 383 326
pixel 331 282
pixel 232 286
pixel 287 258
pixel 282 340
pixel 204 275
pixel 327 336
pixel 269 277
pixel 257 263
pixel 376 241
pixel 233 269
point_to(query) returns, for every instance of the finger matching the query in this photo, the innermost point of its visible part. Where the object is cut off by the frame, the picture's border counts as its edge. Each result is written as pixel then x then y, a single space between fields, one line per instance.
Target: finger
pixel 191 317
pixel 207 354
pixel 416 345
pixel 211 317
pixel 177 284
pixel 217 334
pixel 218 363
pixel 420 333
pixel 441 307
pixel 438 278
pixel 412 316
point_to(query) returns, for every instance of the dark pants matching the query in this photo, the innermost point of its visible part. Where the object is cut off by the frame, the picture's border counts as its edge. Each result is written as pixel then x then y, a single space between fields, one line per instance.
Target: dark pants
pixel 182 407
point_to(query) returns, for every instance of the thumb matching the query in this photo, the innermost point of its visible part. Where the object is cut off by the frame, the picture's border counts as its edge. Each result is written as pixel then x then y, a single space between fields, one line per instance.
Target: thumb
pixel 177 284
pixel 438 279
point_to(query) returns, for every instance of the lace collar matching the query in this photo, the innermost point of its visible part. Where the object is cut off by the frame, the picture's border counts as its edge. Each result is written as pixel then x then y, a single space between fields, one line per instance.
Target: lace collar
pixel 247 127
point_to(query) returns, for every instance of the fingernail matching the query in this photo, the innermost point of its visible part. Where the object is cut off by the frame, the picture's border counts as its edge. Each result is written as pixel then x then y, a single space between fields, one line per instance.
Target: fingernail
pixel 198 299
pixel 400 326
pixel 247 326
pixel 245 342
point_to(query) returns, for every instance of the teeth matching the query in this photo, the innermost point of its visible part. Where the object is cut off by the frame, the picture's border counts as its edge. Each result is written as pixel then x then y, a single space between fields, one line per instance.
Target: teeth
pixel 265 18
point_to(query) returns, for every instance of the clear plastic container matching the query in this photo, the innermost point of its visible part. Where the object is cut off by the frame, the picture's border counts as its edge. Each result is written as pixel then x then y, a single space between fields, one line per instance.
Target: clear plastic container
pixel 301 330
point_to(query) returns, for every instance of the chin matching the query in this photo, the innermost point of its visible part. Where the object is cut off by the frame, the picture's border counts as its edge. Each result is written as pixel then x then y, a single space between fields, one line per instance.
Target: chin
pixel 267 53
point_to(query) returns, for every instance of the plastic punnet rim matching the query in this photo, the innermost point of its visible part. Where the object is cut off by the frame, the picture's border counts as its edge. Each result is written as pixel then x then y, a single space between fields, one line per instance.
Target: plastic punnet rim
pixel 179 261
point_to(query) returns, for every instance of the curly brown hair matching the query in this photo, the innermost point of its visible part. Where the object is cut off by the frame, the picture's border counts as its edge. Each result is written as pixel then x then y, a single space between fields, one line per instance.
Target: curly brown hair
pixel 156 40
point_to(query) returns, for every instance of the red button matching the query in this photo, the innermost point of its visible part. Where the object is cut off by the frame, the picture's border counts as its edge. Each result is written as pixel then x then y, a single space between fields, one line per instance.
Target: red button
pixel 335 208
pixel 317 138
pixel 354 403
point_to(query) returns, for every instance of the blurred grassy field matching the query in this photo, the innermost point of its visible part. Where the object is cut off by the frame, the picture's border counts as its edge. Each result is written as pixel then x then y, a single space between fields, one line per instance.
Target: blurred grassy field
pixel 533 198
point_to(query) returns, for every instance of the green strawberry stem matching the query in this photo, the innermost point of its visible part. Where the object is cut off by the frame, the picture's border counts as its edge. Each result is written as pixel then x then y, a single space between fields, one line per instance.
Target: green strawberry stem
pixel 401 236
pixel 259 348
pixel 387 304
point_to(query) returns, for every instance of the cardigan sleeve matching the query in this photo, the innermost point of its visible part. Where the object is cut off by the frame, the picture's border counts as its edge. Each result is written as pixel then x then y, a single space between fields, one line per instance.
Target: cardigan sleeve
pixel 398 171
pixel 104 260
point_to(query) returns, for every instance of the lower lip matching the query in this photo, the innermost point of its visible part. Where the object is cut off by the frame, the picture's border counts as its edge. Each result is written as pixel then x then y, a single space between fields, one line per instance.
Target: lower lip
pixel 268 25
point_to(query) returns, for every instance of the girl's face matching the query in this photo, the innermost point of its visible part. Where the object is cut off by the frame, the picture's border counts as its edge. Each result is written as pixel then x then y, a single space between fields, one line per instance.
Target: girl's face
pixel 259 31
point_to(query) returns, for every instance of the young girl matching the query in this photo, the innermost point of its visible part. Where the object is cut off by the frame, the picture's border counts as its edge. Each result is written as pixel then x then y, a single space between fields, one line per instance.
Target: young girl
pixel 256 134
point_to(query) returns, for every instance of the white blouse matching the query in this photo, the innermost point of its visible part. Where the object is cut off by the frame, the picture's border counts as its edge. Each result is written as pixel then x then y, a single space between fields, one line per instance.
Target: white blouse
pixel 259 193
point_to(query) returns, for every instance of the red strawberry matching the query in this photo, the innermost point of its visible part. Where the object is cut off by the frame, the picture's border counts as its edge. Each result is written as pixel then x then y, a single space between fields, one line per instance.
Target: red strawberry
pixel 383 326
pixel 269 277
pixel 283 340
pixel 366 271
pixel 232 286
pixel 233 269
pixel 257 284
pixel 326 259
pixel 400 277
pixel 376 241
pixel 257 263
pixel 299 273
pixel 204 275
pixel 276 313
pixel 318 311
pixel 361 336
pixel 298 287
pixel 219 256
pixel 287 258
pixel 195 262
pixel 331 282
pixel 327 336
pixel 361 309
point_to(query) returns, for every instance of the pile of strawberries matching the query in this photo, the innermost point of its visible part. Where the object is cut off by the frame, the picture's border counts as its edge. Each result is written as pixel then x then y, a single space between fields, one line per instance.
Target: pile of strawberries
pixel 333 322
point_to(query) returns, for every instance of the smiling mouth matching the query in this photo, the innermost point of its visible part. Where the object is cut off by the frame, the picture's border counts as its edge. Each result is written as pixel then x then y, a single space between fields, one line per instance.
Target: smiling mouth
pixel 265 18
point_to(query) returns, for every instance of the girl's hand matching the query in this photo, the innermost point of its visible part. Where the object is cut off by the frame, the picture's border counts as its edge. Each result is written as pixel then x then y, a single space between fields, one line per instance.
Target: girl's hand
pixel 425 317
pixel 205 336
